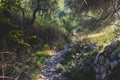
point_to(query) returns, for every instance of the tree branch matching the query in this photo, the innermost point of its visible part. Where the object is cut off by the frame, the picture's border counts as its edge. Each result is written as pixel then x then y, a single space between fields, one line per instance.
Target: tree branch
pixel 110 13
pixel 35 11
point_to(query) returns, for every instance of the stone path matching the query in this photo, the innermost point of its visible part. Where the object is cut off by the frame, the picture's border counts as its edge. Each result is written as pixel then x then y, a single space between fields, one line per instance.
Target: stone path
pixel 48 70
pixel 102 64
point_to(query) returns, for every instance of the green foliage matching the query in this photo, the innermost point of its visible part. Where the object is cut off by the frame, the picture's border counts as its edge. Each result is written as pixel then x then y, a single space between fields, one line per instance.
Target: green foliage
pixel 69 22
pixel 92 24
pixel 39 56
pixel 39 64
pixel 108 35
pixel 17 35
pixel 47 34
pixel 117 32
pixel 46 47
pixel 60 5
pixel 68 58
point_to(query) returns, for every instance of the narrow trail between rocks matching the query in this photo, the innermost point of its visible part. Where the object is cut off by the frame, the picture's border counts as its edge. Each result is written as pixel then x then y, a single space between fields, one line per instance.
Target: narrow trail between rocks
pixel 48 70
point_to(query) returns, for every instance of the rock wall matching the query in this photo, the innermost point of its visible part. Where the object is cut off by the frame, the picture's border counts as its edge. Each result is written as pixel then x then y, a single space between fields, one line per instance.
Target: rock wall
pixel 107 61
pixel 103 63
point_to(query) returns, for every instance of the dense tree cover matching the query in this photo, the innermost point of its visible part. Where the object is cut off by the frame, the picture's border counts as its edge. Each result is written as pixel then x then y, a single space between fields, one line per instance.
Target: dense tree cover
pixel 27 26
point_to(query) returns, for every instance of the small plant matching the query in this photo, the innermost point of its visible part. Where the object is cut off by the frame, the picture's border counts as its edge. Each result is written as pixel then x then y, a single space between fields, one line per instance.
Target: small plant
pixel 46 47
pixel 39 56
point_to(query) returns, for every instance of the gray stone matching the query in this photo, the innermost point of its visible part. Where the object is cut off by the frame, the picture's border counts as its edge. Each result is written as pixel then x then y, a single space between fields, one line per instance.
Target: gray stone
pixel 107 63
pixel 97 70
pixel 102 69
pixel 115 43
pixel 78 55
pixel 112 56
pixel 103 76
pixel 113 64
pixel 119 60
pixel 98 77
pixel 96 59
pixel 118 55
pixel 109 72
pixel 59 67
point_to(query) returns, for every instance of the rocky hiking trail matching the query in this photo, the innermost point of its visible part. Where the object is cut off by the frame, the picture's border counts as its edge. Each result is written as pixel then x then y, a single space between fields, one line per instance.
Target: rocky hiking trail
pixel 103 64
pixel 48 70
